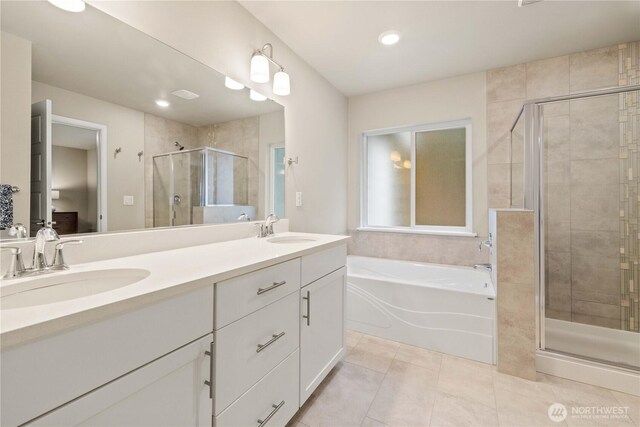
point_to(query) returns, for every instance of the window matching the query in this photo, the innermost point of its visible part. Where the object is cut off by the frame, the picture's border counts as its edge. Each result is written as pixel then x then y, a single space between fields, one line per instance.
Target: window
pixel 276 180
pixel 418 179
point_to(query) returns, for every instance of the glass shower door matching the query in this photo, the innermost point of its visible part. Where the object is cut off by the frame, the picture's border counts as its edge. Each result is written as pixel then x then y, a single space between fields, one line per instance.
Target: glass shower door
pixel 589 219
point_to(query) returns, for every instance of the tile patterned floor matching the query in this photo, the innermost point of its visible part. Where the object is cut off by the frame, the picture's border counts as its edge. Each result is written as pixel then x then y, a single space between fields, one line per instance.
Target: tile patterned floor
pixel 385 383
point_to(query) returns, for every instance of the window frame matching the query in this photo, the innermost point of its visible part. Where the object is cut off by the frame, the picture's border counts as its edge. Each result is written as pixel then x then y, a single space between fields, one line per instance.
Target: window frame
pixel 467 229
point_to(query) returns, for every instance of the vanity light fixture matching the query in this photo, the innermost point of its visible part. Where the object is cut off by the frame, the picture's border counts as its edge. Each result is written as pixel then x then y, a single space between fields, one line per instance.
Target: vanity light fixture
pixel 162 103
pixel 256 96
pixel 389 38
pixel 260 71
pixel 69 5
pixel 232 84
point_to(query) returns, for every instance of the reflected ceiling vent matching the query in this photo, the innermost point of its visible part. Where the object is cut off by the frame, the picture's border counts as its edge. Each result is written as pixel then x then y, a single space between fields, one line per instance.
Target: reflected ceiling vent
pixel 522 3
pixel 185 94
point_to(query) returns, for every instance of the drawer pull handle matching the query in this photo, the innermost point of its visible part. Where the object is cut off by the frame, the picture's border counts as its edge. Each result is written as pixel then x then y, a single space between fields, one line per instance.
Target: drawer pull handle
pixel 261 423
pixel 275 285
pixel 274 338
pixel 210 382
pixel 308 316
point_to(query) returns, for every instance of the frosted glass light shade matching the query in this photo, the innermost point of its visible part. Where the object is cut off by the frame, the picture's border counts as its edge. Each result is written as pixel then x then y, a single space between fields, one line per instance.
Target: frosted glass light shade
pixel 69 5
pixel 281 85
pixel 259 69
pixel 256 96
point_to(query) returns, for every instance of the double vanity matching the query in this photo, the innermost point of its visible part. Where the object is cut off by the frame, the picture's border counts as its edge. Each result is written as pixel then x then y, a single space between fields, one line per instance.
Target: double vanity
pixel 235 333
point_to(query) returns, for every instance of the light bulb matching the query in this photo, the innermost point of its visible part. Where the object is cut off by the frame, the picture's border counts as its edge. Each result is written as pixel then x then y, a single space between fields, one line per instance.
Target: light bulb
pixel 389 38
pixel 232 84
pixel 407 164
pixel 259 69
pixel 69 5
pixel 395 156
pixel 256 96
pixel 281 85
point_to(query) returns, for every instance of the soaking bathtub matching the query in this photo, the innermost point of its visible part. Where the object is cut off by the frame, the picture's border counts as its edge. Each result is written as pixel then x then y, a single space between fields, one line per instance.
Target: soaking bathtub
pixel 444 308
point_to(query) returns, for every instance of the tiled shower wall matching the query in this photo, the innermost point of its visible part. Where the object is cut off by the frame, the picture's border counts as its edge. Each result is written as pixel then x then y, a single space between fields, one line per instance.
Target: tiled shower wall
pixel 239 136
pixel 629 68
pixel 583 159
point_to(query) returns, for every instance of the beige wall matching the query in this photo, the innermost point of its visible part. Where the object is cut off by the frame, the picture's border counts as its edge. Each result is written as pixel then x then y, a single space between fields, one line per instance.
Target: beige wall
pixel 125 128
pixel 15 124
pixel 223 35
pixel 443 100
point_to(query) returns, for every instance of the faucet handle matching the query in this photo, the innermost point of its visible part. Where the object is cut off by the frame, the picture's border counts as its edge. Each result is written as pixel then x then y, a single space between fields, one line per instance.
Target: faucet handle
pixel 261 229
pixel 16 268
pixel 58 259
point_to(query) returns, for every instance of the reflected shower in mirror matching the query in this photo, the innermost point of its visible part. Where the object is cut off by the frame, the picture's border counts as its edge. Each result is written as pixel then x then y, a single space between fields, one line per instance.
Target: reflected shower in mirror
pixel 113 130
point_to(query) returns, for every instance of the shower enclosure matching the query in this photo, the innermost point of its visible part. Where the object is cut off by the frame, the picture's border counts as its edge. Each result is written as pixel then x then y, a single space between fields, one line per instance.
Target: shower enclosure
pixel 575 161
pixel 184 180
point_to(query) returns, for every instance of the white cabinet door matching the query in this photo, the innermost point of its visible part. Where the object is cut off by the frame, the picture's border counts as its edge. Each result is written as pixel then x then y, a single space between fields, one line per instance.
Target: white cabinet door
pixel 169 391
pixel 321 330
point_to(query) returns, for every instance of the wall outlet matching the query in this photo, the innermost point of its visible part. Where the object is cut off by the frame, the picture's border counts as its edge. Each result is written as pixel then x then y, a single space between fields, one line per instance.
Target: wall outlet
pixel 298 198
pixel 128 200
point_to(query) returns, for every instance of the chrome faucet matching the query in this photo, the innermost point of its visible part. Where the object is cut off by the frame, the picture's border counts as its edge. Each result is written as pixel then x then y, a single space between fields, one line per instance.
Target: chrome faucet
pixel 485 266
pixel 266 228
pixel 44 235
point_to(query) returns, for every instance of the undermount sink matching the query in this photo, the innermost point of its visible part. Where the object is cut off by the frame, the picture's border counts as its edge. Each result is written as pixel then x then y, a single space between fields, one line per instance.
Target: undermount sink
pixel 291 239
pixel 48 289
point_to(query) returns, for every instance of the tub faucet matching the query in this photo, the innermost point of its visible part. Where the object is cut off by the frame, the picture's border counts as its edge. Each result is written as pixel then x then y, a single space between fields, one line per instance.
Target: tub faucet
pixel 485 266
pixel 44 235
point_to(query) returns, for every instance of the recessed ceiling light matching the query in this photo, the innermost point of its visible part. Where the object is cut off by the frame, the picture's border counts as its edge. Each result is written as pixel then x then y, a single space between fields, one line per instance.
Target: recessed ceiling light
pixel 162 103
pixel 256 96
pixel 232 84
pixel 389 37
pixel 69 5
pixel 185 94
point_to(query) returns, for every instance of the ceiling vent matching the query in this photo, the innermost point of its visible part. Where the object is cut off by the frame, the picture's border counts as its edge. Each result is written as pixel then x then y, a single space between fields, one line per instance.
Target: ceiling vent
pixel 185 94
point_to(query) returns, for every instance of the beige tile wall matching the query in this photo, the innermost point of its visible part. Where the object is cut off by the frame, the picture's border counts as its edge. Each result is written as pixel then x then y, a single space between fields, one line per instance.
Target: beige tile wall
pixel 516 307
pixel 242 137
pixel 418 247
pixel 581 175
pixel 239 136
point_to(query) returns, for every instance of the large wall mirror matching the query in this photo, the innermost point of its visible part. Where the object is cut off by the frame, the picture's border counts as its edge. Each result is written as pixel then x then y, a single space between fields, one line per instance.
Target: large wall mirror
pixel 125 132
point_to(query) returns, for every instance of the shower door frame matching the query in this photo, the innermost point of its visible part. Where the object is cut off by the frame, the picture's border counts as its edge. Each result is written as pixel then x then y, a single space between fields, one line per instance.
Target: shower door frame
pixel 531 112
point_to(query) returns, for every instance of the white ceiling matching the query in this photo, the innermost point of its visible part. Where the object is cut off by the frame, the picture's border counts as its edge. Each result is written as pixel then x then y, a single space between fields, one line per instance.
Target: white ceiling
pixel 439 38
pixel 95 54
pixel 73 137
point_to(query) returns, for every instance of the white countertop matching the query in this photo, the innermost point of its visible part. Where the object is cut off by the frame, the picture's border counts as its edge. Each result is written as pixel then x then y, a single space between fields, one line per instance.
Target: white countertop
pixel 172 272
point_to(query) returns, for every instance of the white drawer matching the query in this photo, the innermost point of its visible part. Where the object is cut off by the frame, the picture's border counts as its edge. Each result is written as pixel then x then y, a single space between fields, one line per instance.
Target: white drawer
pixel 242 295
pixel 238 363
pixel 275 394
pixel 320 264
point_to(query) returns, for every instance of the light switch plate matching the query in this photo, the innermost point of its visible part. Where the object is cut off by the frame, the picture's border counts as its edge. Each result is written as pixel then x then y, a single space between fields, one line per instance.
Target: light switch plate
pixel 128 200
pixel 298 198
